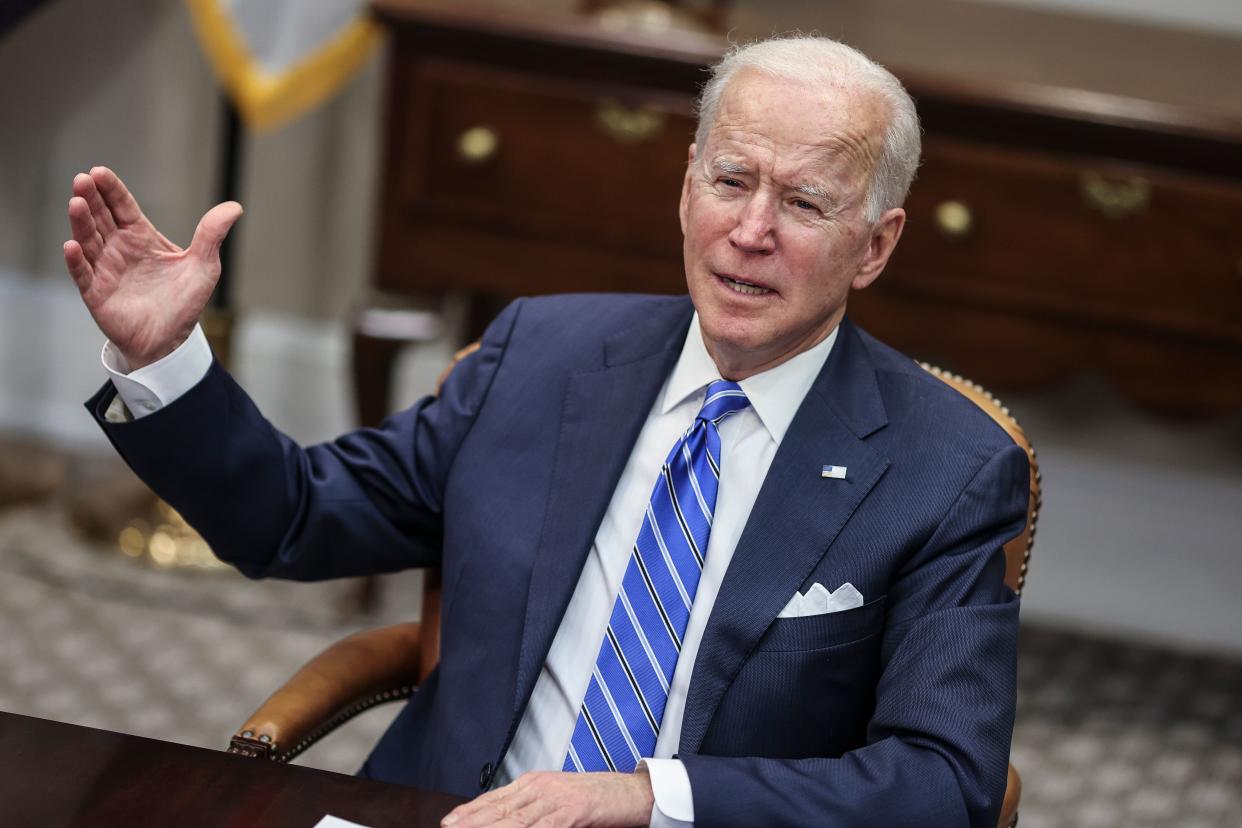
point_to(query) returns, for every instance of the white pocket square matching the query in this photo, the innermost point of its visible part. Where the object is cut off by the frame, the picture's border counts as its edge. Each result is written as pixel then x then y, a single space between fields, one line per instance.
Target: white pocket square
pixel 819 601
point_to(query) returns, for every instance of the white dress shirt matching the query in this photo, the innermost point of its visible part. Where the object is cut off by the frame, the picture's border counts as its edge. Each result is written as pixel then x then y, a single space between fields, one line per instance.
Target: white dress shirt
pixel 154 386
pixel 748 442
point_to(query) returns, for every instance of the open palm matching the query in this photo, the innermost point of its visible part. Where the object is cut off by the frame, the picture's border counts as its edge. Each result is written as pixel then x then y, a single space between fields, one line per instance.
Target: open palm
pixel 143 291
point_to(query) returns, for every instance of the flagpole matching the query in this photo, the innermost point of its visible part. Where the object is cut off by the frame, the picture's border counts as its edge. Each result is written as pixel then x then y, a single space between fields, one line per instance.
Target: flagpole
pixel 229 189
pixel 219 316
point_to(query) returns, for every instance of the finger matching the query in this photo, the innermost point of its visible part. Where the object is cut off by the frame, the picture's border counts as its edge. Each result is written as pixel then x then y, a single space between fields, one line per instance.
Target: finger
pixel 487 801
pixel 535 812
pixel 84 186
pixel 123 206
pixel 82 225
pixel 79 269
pixel 464 816
pixel 501 795
pixel 487 809
pixel 212 228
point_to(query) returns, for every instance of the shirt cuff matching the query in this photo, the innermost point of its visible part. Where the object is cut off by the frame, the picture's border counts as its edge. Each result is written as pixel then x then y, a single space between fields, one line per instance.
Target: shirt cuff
pixel 674 800
pixel 154 386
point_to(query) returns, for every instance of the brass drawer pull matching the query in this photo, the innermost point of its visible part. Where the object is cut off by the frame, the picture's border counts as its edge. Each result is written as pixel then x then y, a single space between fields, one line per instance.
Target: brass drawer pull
pixel 477 145
pixel 1116 199
pixel 627 125
pixel 954 220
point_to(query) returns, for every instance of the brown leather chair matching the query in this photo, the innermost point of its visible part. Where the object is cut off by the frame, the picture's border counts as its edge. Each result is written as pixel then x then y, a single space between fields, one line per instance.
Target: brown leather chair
pixel 1018 550
pixel 383 665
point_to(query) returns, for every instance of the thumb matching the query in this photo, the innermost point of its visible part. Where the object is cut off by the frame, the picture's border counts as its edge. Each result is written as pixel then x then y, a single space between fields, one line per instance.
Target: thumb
pixel 212 228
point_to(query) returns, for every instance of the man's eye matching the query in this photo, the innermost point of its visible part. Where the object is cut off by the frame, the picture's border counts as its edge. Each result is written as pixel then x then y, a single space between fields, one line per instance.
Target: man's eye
pixel 730 182
pixel 803 204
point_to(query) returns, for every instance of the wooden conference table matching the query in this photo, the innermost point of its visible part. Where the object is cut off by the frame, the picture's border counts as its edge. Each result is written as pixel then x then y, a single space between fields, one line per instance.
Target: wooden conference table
pixel 56 774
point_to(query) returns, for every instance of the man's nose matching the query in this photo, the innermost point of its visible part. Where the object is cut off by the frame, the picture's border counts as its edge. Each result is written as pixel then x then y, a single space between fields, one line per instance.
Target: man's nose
pixel 755 231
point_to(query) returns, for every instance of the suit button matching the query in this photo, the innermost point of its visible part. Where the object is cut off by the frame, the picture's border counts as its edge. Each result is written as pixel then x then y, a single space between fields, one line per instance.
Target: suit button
pixel 485 775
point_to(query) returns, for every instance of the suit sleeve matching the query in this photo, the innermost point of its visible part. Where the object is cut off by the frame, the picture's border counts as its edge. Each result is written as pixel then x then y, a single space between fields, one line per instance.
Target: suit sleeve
pixel 938 742
pixel 366 503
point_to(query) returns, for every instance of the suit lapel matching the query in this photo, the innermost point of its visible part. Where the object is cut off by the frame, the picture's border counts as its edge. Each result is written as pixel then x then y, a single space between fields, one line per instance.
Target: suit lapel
pixel 795 519
pixel 601 417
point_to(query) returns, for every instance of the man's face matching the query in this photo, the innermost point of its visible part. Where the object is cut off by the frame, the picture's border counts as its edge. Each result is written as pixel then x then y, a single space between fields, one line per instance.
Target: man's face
pixel 772 210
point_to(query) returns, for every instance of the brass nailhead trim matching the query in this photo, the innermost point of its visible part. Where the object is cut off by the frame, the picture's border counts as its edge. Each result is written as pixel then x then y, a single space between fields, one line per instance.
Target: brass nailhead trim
pixel 940 373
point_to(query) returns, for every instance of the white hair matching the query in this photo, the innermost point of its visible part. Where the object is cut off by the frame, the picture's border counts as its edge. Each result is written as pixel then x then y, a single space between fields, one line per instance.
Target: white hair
pixel 823 61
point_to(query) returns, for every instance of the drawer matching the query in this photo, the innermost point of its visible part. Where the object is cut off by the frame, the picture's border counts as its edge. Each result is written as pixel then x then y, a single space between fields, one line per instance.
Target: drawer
pixel 547 158
pixel 1075 238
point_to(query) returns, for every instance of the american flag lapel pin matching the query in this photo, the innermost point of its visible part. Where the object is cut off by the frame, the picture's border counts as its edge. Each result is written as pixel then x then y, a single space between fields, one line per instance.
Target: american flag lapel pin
pixel 835 472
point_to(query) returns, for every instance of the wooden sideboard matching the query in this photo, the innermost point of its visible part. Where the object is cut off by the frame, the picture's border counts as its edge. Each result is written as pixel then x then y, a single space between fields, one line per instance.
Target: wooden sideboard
pixel 1053 231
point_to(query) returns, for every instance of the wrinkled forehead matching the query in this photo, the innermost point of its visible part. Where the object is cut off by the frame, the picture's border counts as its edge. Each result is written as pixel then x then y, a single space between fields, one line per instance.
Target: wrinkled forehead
pixel 838 126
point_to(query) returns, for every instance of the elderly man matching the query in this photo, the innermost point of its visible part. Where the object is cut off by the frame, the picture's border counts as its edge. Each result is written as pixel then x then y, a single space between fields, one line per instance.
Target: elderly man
pixel 802 622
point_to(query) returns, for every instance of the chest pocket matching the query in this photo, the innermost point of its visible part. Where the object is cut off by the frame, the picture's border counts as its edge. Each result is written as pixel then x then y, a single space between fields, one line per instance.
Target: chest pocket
pixel 808 689
pixel 818 632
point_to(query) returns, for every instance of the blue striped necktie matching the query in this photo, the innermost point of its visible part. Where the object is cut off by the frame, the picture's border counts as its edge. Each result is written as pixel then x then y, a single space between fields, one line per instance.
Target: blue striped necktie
pixel 625 699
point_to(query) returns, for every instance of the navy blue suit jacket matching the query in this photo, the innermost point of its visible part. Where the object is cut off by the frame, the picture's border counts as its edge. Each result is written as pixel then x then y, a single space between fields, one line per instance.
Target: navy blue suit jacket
pixel 896 713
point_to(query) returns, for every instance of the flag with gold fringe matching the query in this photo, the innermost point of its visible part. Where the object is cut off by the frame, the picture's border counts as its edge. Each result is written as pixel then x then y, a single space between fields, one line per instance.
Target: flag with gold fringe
pixel 280 58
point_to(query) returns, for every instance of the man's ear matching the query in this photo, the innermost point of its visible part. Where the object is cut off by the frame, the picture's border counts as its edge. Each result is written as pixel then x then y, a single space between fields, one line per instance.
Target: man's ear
pixel 884 236
pixel 683 209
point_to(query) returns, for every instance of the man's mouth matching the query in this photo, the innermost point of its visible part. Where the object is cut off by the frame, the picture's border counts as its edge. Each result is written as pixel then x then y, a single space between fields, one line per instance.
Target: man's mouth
pixel 740 286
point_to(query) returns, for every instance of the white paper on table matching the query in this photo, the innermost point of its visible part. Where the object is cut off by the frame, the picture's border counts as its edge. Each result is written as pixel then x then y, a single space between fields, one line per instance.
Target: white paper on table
pixel 330 821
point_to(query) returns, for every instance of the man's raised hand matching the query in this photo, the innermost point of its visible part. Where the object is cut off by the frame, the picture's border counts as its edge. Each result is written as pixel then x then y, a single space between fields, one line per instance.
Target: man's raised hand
pixel 144 292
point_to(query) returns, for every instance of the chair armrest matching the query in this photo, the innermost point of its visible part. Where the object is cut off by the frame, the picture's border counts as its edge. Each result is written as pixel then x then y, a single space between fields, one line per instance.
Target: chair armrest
pixel 1009 807
pixel 352 675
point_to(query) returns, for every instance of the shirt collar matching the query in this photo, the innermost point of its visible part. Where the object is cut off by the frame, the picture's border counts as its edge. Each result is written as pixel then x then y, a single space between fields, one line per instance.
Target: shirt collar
pixel 775 394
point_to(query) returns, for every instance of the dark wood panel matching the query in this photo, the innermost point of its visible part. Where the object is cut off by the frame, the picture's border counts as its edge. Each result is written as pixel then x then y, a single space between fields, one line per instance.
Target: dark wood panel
pixel 1034 352
pixel 60 774
pixel 566 45
pixel 557 170
pixel 433 261
pixel 1155 251
pixel 1056 267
